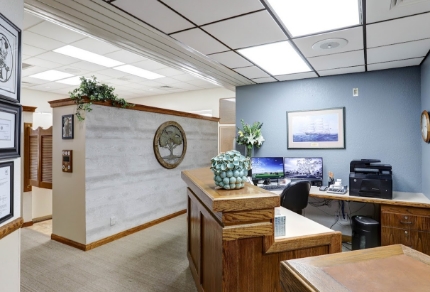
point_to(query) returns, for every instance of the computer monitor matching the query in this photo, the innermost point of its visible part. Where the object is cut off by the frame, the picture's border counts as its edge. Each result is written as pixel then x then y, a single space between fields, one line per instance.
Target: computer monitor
pixel 303 168
pixel 267 167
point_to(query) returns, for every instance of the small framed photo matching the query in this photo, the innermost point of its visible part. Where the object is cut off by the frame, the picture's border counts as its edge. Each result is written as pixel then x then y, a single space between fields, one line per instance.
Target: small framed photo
pixel 6 190
pixel 10 60
pixel 67 126
pixel 316 129
pixel 10 121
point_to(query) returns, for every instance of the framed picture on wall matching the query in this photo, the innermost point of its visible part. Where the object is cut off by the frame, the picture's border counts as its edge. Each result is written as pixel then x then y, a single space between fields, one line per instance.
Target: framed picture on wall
pixel 10 60
pixel 316 129
pixel 6 191
pixel 67 127
pixel 10 121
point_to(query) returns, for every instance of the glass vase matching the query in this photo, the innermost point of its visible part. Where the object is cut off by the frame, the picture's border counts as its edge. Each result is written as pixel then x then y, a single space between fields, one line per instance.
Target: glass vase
pixel 248 152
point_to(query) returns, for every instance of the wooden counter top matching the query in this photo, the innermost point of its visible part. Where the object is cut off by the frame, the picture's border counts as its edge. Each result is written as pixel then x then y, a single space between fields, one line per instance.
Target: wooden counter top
pixel 219 200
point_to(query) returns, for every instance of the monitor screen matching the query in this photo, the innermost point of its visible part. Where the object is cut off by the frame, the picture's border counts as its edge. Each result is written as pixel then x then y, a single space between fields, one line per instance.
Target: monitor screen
pixel 303 167
pixel 267 167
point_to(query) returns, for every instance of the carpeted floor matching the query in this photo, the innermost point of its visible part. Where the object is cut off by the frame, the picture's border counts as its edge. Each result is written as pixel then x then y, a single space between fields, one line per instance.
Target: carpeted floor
pixel 153 259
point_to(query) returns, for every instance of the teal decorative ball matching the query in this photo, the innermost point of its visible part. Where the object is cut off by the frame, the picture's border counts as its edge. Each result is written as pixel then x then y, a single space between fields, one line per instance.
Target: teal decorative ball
pixel 230 170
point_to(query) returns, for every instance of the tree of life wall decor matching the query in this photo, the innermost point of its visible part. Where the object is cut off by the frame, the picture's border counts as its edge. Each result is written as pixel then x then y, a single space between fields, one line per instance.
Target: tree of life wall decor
pixel 10 59
pixel 170 144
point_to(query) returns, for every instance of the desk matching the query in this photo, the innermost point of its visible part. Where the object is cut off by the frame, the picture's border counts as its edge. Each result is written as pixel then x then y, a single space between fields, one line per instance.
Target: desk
pixel 388 268
pixel 404 220
pixel 231 244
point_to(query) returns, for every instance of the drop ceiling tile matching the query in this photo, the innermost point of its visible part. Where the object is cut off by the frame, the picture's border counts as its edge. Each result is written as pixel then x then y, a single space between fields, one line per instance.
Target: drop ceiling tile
pixel 32 70
pixel 200 41
pixel 264 80
pixel 167 81
pixel 248 30
pixel 231 59
pixel 50 86
pixel 58 58
pixel 125 57
pixel 150 65
pixel 187 86
pixel 378 10
pixel 56 32
pixel 354 36
pixel 23 57
pixel 398 52
pixel 398 30
pixel 40 41
pixel 112 73
pixel 42 63
pixel 64 91
pixel 205 11
pixel 252 72
pixel 296 76
pixel 31 51
pixel 35 81
pixel 394 64
pixel 342 71
pixel 168 72
pixel 95 46
pixel 30 20
pixel 99 77
pixel 340 60
pixel 184 77
pixel 155 13
pixel 118 83
pixel 201 83
pixel 88 67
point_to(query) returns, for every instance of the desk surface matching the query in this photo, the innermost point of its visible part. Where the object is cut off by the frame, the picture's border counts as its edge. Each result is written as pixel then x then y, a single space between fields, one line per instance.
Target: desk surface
pixel 388 268
pixel 399 198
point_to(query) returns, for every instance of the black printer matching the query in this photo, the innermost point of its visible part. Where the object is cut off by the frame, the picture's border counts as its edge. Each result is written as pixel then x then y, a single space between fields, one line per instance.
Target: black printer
pixel 368 178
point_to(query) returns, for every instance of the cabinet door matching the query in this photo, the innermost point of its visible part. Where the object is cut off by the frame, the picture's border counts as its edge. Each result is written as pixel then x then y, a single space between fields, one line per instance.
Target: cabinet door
pixel 395 236
pixel 420 241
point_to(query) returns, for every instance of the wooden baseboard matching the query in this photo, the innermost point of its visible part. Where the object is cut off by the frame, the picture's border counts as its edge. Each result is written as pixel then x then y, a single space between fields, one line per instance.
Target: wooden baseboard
pixel 43 218
pixel 10 227
pixel 27 224
pixel 346 238
pixel 86 247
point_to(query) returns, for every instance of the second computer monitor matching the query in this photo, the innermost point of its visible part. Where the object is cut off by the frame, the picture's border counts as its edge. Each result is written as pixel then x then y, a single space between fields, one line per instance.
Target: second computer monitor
pixel 303 168
pixel 267 167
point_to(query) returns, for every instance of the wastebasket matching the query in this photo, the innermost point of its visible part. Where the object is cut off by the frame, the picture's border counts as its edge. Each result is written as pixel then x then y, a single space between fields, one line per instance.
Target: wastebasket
pixel 365 232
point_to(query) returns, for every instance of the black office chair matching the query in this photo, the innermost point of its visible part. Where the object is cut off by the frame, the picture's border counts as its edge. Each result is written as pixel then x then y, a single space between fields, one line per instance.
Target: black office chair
pixel 295 195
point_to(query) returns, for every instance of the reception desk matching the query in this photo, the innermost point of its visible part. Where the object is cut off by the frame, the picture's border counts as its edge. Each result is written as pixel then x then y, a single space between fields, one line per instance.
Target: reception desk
pixel 231 243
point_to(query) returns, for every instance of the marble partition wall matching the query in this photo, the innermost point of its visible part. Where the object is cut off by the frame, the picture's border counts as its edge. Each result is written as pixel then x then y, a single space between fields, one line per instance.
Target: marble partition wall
pixel 124 183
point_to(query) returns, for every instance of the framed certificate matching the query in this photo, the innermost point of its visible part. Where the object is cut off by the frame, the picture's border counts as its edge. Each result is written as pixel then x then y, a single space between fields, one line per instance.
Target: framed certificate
pixel 10 60
pixel 6 191
pixel 10 117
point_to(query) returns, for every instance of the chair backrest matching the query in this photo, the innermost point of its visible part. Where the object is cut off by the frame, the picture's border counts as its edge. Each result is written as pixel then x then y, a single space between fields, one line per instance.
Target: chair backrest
pixel 295 195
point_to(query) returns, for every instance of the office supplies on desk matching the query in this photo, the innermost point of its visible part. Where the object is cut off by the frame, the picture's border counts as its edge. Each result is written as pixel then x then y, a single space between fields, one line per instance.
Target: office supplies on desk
pixel 368 178
pixel 323 188
pixel 337 188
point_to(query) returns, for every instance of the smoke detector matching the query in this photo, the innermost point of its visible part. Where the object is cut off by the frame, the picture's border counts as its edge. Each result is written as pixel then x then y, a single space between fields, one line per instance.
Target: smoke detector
pixel 329 44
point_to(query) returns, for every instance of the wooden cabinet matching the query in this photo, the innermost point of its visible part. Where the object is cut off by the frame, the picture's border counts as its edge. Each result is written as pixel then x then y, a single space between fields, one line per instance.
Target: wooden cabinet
pixel 406 225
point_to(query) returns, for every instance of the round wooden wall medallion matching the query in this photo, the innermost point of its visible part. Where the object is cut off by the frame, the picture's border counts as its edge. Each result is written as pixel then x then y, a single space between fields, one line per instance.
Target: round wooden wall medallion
pixel 170 144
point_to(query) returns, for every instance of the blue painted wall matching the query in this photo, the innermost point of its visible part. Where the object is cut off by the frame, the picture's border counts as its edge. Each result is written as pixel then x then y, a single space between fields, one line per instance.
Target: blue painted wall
pixel 380 123
pixel 425 105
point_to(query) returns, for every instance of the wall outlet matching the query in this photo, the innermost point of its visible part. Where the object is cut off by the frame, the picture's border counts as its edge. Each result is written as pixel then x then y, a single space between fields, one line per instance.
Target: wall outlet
pixel 112 221
pixel 355 92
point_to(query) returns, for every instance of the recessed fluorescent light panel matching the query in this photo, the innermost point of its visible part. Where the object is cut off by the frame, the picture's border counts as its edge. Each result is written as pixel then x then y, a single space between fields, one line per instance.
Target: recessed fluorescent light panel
pixel 88 56
pixel 71 81
pixel 138 72
pixel 277 58
pixel 51 75
pixel 304 17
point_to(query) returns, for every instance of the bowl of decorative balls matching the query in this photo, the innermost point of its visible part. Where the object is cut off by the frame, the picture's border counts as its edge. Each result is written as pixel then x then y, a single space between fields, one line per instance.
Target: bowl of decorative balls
pixel 230 170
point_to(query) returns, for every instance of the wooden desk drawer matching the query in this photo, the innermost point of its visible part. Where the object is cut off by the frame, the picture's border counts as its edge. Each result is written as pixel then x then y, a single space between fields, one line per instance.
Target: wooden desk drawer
pixel 420 241
pixel 395 236
pixel 405 218
pixel 399 221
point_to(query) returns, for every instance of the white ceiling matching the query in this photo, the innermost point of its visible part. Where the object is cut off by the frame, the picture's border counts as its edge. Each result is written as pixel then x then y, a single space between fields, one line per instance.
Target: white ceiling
pixel 203 36
pixel 41 37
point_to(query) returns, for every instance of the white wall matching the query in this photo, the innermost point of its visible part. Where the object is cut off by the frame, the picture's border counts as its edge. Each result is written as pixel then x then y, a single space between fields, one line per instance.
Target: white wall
pixel 39 99
pixel 207 99
pixel 10 245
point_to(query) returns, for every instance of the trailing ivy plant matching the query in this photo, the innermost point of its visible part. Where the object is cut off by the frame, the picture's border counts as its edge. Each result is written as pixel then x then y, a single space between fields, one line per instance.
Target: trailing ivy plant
pixel 94 91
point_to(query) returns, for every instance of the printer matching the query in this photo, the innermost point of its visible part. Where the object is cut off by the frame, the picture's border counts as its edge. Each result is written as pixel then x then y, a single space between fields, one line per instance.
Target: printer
pixel 368 178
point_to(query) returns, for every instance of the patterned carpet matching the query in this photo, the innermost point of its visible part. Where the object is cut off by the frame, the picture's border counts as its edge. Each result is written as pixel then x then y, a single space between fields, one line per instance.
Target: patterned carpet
pixel 153 259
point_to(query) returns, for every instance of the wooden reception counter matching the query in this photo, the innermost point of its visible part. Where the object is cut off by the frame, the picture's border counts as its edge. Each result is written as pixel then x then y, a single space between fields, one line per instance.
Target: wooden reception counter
pixel 231 243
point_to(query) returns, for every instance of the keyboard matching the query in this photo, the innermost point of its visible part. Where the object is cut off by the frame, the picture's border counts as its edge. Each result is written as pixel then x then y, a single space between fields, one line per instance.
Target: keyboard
pixel 272 187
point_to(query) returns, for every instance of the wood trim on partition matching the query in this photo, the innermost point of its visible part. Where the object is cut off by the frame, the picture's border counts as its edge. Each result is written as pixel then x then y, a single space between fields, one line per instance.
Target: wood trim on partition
pixel 27 224
pixel 86 247
pixel 30 109
pixel 26 157
pixel 137 107
pixel 10 227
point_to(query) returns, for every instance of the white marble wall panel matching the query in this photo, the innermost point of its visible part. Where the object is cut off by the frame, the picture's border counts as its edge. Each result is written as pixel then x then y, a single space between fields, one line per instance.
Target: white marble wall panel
pixel 123 177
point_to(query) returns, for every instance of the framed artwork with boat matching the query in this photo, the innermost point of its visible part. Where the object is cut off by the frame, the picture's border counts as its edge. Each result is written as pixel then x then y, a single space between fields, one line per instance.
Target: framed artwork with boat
pixel 316 129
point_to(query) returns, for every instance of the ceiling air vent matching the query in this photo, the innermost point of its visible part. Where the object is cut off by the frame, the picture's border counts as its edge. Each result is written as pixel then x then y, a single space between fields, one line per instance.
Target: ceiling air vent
pixel 167 87
pixel 398 3
pixel 26 66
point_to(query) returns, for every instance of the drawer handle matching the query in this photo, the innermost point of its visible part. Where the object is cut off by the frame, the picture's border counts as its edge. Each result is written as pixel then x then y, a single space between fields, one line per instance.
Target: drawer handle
pixel 405 222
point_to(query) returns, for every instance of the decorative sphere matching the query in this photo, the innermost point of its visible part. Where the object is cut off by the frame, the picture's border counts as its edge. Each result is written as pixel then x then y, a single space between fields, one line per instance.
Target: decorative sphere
pixel 237 173
pixel 238 179
pixel 229 173
pixel 226 180
pixel 232 180
pixel 218 178
pixel 244 178
pixel 232 186
pixel 227 187
pixel 223 174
